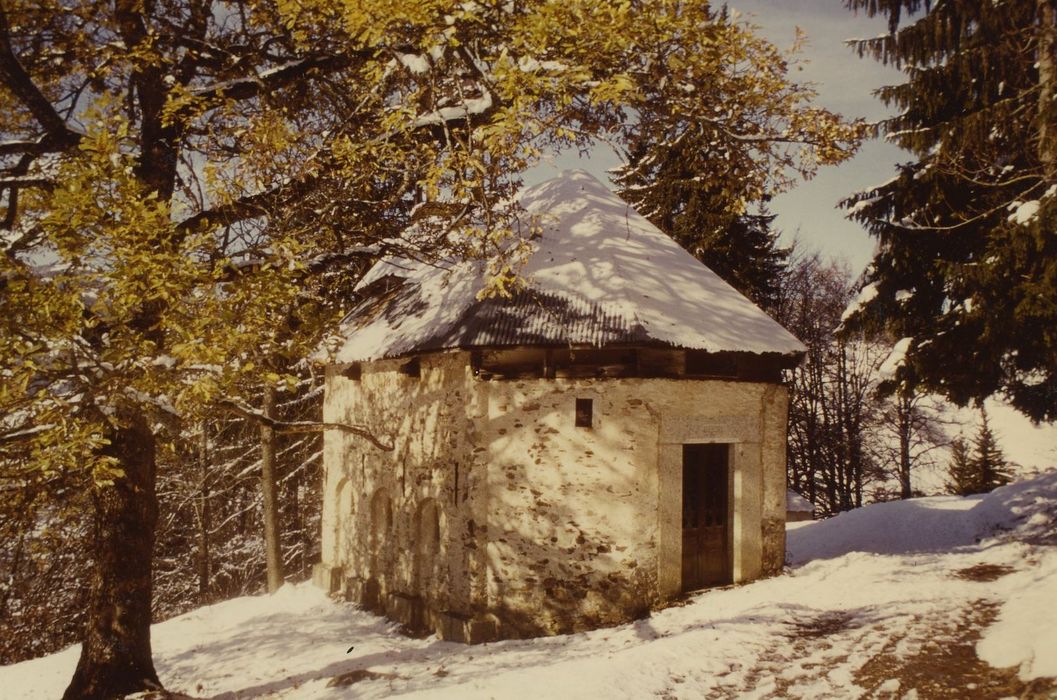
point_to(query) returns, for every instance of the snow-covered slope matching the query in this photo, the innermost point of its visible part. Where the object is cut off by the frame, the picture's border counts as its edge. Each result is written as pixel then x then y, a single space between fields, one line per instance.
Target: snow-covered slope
pixel 893 600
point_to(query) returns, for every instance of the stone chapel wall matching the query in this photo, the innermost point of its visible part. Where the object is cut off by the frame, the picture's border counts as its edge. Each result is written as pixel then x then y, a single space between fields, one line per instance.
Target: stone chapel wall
pixel 493 503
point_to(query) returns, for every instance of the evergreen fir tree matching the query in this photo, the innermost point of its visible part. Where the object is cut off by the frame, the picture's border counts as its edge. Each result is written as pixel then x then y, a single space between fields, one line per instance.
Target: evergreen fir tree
pixel 989 462
pixel 686 166
pixel 664 181
pixel 967 261
pixel 982 470
pixel 961 472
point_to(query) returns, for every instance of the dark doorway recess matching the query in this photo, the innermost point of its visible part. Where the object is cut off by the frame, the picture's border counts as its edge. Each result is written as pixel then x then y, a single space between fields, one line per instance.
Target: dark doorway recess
pixel 707 557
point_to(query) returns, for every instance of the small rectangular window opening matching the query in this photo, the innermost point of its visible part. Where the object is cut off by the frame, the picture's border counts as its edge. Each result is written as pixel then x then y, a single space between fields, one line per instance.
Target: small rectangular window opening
pixel 584 412
pixel 412 368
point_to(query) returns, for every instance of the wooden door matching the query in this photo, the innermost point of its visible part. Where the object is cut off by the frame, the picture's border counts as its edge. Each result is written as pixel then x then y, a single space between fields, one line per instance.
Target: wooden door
pixel 706 516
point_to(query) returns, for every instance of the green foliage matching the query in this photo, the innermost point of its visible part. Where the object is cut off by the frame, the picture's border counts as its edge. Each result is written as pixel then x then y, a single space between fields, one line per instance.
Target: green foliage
pixel 205 214
pixel 961 267
pixel 688 167
pixel 962 476
pixel 983 469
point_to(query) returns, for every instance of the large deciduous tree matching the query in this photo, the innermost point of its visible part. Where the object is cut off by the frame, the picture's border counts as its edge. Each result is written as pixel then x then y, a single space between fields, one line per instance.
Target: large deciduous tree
pixel 833 409
pixel 966 264
pixel 692 156
pixel 190 186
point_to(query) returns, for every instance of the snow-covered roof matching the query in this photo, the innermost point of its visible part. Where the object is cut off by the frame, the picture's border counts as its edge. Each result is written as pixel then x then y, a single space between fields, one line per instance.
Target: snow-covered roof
pixel 795 503
pixel 600 274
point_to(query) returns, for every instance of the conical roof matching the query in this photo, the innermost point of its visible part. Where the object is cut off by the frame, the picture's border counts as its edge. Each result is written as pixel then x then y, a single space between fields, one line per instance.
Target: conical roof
pixel 600 275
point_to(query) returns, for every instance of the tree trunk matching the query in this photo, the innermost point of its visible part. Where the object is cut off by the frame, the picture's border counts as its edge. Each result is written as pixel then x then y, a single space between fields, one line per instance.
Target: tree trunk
pixel 1047 66
pixel 904 407
pixel 205 516
pixel 116 652
pixel 269 488
pixel 293 499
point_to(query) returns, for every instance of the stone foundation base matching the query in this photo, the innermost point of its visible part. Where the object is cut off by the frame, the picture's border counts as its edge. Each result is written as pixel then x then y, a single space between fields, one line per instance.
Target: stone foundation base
pixel 411 611
pixel 773 530
pixel 453 627
pixel 329 578
pixel 408 610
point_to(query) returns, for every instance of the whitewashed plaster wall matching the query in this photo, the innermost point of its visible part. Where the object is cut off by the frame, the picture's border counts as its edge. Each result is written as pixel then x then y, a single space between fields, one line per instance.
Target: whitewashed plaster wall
pixel 587 523
pixel 550 527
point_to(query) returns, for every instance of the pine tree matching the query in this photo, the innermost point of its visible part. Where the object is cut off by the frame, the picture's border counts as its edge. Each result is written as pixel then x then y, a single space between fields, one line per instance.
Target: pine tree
pixel 989 462
pixel 967 263
pixel 982 470
pixel 665 183
pixel 688 171
pixel 962 476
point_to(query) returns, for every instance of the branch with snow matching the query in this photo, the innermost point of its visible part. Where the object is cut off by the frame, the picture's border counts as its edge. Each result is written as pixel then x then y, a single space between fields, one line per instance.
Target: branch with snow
pixel 293 427
pixel 26 181
pixel 36 146
pixel 259 83
pixel 456 113
pixel 24 433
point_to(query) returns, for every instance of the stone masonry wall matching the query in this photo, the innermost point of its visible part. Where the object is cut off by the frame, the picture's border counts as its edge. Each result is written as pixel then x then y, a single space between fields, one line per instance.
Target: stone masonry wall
pixel 404 520
pixel 494 506
pixel 586 524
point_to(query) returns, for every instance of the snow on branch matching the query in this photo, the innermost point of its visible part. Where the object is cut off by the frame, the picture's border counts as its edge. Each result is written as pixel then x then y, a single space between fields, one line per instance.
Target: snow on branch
pixel 291 427
pixel 459 112
pixel 258 83
pixel 26 181
pixel 26 147
pixel 25 433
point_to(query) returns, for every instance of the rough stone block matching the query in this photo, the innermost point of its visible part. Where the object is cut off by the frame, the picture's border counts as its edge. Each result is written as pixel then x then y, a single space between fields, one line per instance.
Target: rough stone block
pixel 773 546
pixel 455 627
pixel 329 578
pixel 354 588
pixel 450 626
pixel 371 598
pixel 482 629
pixel 408 610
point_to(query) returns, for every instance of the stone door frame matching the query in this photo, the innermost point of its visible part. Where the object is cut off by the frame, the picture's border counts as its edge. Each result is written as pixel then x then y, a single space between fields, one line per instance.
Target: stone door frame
pixel 742 433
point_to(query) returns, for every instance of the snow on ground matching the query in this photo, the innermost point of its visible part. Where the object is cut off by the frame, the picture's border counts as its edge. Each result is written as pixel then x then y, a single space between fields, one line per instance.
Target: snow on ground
pixel 1034 447
pixel 882 601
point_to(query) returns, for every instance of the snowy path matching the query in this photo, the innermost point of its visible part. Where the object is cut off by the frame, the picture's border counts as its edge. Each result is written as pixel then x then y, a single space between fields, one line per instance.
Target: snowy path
pixel 887 602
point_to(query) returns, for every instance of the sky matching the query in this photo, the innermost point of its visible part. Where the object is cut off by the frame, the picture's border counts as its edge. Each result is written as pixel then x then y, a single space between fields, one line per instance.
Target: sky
pixel 844 83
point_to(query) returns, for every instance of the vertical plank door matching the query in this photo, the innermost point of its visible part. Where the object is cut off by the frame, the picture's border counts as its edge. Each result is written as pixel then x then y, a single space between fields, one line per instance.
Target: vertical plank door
pixel 706 516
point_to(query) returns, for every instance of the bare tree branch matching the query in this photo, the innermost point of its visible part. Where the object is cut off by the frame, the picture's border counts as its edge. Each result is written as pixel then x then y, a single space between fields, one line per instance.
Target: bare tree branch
pixel 259 204
pixel 295 427
pixel 14 77
pixel 253 85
